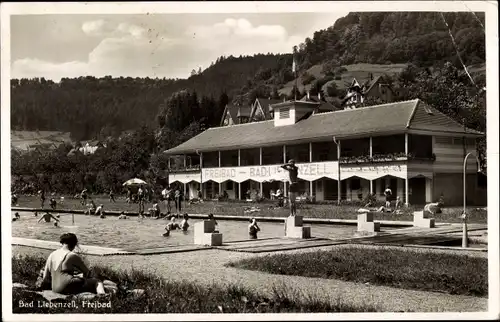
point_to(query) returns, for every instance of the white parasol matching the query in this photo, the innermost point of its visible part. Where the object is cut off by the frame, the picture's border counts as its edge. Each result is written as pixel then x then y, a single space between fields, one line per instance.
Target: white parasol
pixel 134 181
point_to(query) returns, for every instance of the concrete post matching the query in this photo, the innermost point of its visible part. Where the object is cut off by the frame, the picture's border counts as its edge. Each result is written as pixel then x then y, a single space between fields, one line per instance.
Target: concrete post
pixel 407 191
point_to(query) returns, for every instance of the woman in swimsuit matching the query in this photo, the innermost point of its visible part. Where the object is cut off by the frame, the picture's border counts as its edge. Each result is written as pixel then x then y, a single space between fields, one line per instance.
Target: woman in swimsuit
pixel 67 271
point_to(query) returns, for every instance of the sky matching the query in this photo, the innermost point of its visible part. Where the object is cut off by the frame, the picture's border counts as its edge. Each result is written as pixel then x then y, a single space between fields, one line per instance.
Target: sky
pixel 150 45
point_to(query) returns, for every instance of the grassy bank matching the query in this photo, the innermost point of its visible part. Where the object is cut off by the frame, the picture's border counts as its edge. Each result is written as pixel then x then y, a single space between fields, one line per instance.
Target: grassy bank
pixel 267 209
pixel 448 273
pixel 163 296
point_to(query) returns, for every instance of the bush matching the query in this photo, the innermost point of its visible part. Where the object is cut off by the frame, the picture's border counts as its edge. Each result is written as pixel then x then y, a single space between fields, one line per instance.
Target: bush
pixel 449 273
pixel 163 296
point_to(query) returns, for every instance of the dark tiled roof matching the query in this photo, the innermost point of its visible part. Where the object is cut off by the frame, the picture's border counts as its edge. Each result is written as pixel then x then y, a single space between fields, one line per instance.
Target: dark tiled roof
pixel 244 111
pixel 423 120
pixel 266 103
pixel 233 112
pixel 375 120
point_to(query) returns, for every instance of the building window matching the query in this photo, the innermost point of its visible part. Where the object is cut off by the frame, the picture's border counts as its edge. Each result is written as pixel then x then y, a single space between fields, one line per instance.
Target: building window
pixel 355 184
pixel 284 113
pixel 458 141
pixel 444 140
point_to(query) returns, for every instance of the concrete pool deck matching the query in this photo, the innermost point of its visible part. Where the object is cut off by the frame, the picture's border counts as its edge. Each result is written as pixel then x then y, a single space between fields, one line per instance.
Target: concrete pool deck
pixel 383 223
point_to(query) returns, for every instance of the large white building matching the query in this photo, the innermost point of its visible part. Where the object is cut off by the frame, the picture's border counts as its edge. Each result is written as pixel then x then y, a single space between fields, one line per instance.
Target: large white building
pixel 412 148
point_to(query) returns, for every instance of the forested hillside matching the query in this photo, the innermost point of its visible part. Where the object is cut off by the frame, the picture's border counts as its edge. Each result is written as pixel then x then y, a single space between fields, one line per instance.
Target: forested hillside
pixel 91 107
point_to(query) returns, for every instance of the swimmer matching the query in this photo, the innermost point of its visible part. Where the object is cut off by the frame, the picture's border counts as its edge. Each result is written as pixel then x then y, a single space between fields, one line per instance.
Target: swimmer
pixel 184 223
pixel 253 228
pixel 17 215
pixel 212 219
pixel 36 213
pixel 172 225
pixel 47 217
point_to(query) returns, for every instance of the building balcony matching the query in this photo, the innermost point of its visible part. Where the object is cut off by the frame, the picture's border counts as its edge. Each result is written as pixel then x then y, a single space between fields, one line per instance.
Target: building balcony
pixel 192 168
pixel 382 158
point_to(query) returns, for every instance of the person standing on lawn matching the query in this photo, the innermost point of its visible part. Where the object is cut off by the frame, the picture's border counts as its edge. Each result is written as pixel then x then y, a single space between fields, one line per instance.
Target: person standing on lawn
pixel 42 197
pixel 84 196
pixel 111 195
pixel 178 200
pixel 293 172
pixel 140 196
pixel 167 197
pixel 388 196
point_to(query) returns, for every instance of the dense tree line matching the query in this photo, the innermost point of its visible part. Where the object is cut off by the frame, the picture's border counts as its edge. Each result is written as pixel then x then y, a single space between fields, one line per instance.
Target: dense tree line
pixel 421 38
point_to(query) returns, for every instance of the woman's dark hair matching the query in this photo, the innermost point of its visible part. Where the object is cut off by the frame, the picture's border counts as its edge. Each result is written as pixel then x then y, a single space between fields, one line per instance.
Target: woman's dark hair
pixel 69 239
pixel 210 216
pixel 186 216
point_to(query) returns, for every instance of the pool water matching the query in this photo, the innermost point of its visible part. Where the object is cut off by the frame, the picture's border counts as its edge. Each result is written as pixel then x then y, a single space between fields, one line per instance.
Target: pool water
pixel 134 233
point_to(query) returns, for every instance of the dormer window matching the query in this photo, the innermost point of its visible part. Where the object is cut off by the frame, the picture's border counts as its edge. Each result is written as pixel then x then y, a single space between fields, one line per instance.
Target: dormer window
pixel 284 113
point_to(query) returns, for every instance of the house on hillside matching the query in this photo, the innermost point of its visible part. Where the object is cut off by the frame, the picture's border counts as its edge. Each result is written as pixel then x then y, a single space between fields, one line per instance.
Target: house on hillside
pixel 323 106
pixel 42 141
pixel 87 147
pixel 261 109
pixel 342 155
pixel 235 114
pixel 375 87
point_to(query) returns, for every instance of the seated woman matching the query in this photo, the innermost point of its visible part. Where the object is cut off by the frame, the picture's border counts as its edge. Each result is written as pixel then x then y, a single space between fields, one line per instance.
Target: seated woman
pixel 67 272
pixel 91 208
pixel 53 203
pixel 154 211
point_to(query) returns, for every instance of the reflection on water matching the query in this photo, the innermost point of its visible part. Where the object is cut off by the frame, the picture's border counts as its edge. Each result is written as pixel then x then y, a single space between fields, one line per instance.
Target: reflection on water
pixel 134 233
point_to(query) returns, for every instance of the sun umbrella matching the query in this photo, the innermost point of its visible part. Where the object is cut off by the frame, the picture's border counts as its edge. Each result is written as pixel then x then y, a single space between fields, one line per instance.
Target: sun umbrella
pixel 134 181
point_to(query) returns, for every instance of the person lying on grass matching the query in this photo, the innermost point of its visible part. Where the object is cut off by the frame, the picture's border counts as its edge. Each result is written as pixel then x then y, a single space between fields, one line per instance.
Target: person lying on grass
pixel 253 228
pixel 66 271
pixel 47 217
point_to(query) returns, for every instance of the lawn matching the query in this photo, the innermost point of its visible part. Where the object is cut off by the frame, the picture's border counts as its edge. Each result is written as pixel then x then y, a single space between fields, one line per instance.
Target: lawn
pixel 447 273
pixel 267 209
pixel 163 296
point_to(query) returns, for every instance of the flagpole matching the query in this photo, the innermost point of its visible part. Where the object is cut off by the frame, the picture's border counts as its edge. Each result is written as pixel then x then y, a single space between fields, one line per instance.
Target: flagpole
pixel 294 67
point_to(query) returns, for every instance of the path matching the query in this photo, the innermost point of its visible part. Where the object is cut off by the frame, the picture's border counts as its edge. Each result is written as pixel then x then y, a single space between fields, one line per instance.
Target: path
pixel 207 267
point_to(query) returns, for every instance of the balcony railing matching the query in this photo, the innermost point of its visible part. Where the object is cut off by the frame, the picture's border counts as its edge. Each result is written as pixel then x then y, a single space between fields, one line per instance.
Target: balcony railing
pixel 185 169
pixel 390 157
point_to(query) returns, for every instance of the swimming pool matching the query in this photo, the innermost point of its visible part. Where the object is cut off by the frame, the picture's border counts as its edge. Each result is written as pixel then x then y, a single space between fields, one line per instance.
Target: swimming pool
pixel 134 233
